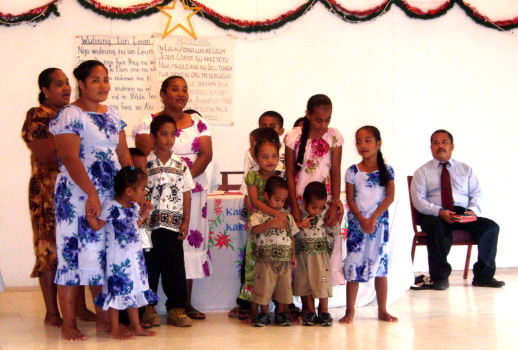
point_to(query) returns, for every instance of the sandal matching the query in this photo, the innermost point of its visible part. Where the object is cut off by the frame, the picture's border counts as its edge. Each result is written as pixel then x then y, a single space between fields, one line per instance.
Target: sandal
pixel 196 315
pixel 243 314
pixel 233 313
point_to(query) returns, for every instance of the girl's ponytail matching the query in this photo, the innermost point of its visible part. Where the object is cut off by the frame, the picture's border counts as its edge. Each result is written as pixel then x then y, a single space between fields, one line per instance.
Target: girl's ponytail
pixel 384 174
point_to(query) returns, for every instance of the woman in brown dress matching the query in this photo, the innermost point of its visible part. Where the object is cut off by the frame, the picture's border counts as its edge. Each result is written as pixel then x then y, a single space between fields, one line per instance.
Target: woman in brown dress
pixel 54 94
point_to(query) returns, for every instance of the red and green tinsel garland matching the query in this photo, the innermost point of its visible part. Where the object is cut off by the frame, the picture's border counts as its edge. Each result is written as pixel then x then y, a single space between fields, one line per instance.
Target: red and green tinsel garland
pixel 32 16
pixel 127 13
pixel 251 26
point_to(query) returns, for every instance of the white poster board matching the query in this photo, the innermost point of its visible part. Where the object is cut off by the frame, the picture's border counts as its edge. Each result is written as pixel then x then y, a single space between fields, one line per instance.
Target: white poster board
pixel 138 64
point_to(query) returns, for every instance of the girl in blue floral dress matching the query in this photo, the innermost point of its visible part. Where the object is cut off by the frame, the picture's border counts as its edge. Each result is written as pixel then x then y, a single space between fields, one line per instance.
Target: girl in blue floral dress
pixel 370 191
pixel 91 145
pixel 126 286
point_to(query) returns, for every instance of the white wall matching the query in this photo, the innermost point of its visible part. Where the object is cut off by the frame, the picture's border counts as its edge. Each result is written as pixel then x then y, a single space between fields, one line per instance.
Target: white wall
pixel 408 77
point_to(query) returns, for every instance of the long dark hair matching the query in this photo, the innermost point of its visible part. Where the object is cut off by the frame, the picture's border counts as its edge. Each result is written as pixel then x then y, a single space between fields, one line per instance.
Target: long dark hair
pixel 382 168
pixel 313 102
pixel 44 81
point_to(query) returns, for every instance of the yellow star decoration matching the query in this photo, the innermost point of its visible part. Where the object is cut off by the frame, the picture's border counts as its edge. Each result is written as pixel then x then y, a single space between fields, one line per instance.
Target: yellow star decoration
pixel 181 15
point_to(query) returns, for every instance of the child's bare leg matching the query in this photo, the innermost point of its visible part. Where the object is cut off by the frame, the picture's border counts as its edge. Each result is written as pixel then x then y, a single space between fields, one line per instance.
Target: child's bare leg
pixel 381 285
pixel 115 329
pixel 253 313
pixel 50 296
pixel 283 308
pixel 136 327
pixel 67 296
pixel 352 292
pixel 310 303
pixel 82 311
pixel 103 320
pixel 323 305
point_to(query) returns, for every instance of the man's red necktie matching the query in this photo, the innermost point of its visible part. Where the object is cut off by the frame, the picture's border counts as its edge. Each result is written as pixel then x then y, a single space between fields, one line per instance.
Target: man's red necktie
pixel 446 193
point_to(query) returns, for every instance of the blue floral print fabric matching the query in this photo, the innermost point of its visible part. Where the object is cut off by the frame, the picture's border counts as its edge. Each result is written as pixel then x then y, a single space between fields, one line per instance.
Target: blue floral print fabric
pixel 126 275
pixel 366 253
pixel 81 251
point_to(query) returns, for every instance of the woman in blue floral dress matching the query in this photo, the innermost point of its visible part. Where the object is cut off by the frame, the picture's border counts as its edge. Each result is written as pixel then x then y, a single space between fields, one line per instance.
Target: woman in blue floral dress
pixel 194 145
pixel 126 286
pixel 91 145
pixel 369 188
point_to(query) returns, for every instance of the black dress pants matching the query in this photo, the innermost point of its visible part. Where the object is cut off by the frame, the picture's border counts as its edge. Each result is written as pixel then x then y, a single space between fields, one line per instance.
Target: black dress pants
pixel 165 260
pixel 439 234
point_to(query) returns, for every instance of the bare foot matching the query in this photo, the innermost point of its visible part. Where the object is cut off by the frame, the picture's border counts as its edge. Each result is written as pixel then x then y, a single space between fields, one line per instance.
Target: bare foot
pixel 86 315
pixel 248 321
pixel 348 318
pixel 53 320
pixel 71 333
pixel 120 334
pixel 385 316
pixel 102 327
pixel 139 331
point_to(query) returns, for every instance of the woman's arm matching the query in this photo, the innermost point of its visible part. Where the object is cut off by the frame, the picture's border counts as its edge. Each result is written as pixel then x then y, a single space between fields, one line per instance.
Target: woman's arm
pixel 45 152
pixel 290 179
pixel 204 157
pixel 145 143
pixel 123 151
pixel 68 146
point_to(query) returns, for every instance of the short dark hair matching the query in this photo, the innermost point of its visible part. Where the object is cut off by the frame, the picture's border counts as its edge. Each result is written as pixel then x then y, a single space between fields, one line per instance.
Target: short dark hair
pixel 442 131
pixel 135 152
pixel 299 120
pixel 314 190
pixel 276 115
pixel 160 120
pixel 274 183
pixel 265 135
pixel 127 177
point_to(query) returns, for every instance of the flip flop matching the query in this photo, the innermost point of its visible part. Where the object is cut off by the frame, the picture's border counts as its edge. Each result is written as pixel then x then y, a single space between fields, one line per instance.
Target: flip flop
pixel 196 315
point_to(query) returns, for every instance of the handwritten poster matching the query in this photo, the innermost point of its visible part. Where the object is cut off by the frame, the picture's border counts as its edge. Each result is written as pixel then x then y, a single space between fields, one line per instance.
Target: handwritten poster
pixel 207 64
pixel 131 62
pixel 138 64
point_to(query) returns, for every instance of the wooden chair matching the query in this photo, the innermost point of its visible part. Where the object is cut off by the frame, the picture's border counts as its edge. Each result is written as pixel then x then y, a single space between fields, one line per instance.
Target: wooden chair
pixel 225 186
pixel 460 237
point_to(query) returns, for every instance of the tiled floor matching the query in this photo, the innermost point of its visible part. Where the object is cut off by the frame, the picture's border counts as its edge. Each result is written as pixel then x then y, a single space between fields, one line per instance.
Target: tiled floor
pixel 463 317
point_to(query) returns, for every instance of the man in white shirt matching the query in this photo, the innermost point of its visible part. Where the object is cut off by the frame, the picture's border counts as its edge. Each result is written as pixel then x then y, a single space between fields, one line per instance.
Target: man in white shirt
pixel 438 219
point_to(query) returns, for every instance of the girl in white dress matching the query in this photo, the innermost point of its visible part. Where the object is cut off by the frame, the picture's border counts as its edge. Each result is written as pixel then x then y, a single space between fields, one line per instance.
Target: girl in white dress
pixel 370 191
pixel 126 286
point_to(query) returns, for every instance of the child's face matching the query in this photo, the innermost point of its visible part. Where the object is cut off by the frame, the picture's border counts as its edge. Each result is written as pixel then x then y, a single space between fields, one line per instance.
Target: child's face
pixel 320 118
pixel 271 122
pixel 315 206
pixel 366 144
pixel 164 139
pixel 140 162
pixel 268 157
pixel 277 199
pixel 139 192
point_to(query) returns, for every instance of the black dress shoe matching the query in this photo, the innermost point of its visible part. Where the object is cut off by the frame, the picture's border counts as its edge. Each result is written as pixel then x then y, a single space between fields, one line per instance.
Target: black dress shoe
pixel 492 283
pixel 440 285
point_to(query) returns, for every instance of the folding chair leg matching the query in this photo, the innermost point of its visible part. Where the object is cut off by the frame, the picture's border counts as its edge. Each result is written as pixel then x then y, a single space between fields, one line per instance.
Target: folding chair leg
pixel 468 257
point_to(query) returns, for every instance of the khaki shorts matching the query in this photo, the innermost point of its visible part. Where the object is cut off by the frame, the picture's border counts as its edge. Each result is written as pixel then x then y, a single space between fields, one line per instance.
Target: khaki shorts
pixel 272 278
pixel 313 276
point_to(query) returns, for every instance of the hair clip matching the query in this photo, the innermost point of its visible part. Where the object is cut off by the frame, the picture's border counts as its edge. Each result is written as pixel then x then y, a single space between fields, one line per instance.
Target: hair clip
pixel 132 168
